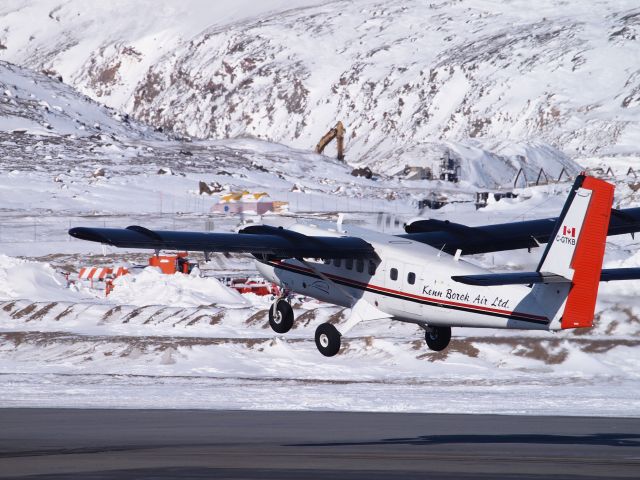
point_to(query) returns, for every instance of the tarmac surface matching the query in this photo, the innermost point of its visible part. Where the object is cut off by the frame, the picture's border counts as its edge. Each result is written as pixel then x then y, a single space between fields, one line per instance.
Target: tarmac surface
pixel 163 444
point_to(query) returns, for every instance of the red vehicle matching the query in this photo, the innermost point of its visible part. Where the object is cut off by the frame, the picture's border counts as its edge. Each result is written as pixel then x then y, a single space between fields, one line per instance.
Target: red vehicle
pixel 170 264
pixel 255 285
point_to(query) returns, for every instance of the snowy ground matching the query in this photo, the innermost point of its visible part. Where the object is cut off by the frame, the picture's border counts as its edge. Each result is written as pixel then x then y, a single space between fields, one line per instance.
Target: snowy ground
pixel 183 342
pixel 188 342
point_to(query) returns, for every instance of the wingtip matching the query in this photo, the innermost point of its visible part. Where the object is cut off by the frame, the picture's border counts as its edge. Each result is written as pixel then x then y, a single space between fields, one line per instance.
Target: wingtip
pixel 76 232
pixel 84 233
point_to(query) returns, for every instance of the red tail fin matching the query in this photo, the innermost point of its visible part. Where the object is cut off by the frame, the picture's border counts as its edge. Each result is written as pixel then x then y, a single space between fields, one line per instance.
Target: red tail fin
pixel 587 259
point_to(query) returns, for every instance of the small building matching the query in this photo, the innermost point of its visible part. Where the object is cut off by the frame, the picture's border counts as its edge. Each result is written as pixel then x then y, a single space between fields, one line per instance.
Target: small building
pixel 258 203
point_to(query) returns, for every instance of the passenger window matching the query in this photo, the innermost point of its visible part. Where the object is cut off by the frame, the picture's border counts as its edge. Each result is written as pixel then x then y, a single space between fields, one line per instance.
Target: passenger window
pixel 394 274
pixel 360 265
pixel 349 263
pixel 327 261
pixel 372 268
pixel 337 262
pixel 411 278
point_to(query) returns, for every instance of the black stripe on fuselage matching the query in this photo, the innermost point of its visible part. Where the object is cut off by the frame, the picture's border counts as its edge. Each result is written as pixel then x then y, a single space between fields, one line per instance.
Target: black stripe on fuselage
pixel 346 283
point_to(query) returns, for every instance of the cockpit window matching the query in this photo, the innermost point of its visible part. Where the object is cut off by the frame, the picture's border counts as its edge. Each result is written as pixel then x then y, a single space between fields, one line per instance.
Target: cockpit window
pixel 372 268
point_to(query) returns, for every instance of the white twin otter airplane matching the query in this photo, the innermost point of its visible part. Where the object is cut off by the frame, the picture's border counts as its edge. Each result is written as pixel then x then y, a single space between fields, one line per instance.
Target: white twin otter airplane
pixel 419 277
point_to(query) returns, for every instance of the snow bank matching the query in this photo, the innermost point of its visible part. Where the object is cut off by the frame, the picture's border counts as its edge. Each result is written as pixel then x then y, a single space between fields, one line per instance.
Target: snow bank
pixel 34 281
pixel 151 287
pixel 39 282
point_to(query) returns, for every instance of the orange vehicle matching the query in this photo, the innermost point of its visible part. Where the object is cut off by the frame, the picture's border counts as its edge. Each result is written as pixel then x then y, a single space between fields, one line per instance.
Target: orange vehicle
pixel 170 264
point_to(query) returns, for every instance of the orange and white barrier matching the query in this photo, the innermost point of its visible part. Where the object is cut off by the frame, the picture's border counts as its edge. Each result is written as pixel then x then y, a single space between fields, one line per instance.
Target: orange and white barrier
pixel 100 273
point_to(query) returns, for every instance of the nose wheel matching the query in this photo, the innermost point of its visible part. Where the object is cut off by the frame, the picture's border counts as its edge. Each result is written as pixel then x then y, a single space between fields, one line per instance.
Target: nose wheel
pixel 328 339
pixel 437 338
pixel 281 316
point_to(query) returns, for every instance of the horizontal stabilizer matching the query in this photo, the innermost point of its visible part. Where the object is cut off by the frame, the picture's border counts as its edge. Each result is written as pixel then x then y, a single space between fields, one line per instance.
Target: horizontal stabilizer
pixel 527 278
pixel 516 278
pixel 612 274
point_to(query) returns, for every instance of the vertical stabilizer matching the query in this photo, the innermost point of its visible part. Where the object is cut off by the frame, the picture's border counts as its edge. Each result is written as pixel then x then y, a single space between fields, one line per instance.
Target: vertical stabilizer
pixel 576 248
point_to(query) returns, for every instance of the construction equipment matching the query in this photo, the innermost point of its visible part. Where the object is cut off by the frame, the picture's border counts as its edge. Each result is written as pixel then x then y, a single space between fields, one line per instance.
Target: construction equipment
pixel 170 264
pixel 336 132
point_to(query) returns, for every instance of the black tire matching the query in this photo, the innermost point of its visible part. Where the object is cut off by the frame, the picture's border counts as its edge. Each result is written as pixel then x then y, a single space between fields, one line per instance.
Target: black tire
pixel 281 317
pixel 328 339
pixel 438 338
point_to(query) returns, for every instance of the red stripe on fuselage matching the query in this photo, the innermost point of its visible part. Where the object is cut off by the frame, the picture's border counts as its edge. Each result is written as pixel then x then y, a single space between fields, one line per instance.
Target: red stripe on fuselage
pixel 411 295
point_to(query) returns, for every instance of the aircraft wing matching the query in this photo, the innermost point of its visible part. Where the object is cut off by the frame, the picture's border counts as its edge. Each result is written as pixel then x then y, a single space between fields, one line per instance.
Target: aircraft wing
pixel 260 240
pixel 449 236
pixel 526 278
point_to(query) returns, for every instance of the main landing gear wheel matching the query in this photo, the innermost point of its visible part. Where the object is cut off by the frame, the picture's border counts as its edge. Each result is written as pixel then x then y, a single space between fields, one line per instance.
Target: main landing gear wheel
pixel 438 338
pixel 328 339
pixel 281 316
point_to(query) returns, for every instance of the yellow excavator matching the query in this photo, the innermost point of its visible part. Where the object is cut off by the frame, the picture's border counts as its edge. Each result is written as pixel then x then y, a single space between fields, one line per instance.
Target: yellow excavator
pixel 336 132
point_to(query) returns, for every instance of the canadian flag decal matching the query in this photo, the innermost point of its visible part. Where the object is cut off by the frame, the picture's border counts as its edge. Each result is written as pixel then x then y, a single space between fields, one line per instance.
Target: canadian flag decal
pixel 569 231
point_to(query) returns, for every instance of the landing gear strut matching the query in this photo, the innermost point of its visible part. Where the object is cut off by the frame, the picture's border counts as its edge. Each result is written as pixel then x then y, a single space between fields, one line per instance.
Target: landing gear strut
pixel 281 316
pixel 437 337
pixel 328 339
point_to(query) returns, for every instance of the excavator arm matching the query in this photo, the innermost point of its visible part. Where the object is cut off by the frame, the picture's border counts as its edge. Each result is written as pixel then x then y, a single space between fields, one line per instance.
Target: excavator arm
pixel 336 133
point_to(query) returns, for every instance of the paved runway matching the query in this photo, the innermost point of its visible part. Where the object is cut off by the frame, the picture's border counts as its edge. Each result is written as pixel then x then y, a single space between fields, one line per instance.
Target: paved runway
pixel 162 444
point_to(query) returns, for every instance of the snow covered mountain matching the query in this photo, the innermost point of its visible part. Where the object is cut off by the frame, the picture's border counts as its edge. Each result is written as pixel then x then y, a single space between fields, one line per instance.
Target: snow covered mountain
pixel 410 79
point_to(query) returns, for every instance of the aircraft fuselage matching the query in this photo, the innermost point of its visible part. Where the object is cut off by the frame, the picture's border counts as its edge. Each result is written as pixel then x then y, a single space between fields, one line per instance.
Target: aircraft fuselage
pixel 412 282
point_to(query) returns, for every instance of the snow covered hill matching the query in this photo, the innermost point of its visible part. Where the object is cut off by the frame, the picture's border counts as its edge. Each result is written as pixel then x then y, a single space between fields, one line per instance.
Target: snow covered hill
pixel 410 79
pixel 36 104
pixel 63 152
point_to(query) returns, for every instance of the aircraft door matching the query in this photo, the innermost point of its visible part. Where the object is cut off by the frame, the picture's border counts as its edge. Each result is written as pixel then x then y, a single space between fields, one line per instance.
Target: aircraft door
pixel 393 274
pixel 411 287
